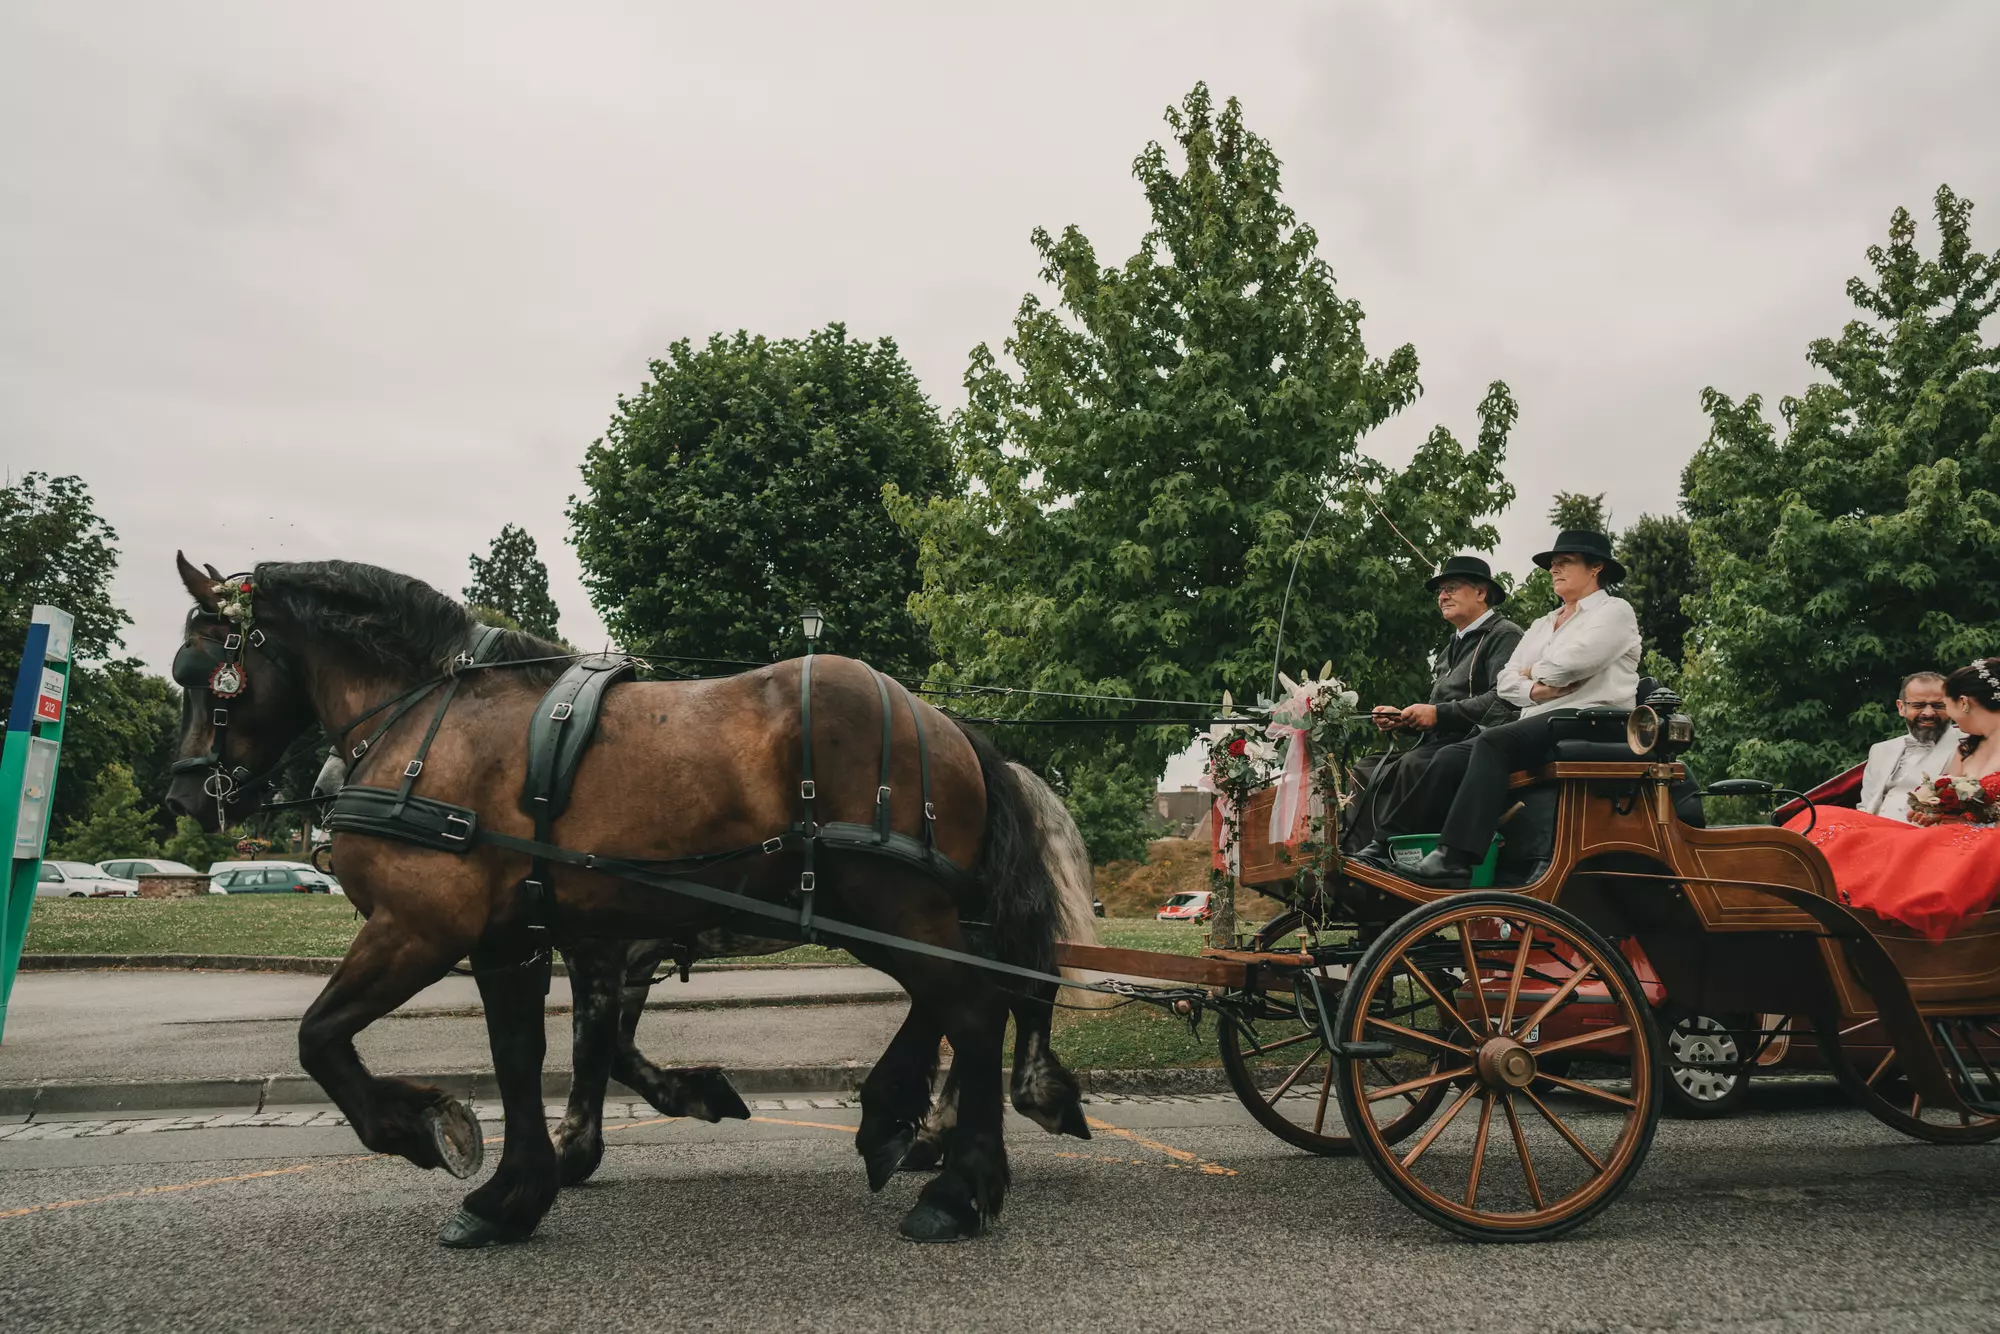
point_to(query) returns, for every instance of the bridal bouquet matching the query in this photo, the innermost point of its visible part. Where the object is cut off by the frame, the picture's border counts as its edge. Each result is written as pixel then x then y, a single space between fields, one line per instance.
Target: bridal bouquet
pixel 1956 800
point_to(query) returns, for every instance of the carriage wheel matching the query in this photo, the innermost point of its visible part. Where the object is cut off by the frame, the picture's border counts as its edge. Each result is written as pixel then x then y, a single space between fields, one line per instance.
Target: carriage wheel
pixel 1519 1153
pixel 1285 1079
pixel 1968 1048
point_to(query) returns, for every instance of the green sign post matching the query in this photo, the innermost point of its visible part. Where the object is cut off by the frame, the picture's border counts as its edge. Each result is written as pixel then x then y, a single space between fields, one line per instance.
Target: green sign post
pixel 28 779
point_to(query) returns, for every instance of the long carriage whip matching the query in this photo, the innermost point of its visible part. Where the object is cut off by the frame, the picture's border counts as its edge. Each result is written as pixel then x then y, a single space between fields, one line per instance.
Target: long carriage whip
pixel 1284 609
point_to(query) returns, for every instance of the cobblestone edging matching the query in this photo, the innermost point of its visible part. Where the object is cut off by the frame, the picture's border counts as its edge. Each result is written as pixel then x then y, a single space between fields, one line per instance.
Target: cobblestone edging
pixel 253 1095
pixel 74 1128
pixel 274 963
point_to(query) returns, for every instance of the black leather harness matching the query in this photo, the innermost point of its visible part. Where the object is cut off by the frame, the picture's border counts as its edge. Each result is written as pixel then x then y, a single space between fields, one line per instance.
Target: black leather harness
pixel 559 734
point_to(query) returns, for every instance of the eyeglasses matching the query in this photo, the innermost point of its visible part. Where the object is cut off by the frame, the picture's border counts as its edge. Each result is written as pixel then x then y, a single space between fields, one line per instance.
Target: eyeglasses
pixel 1923 708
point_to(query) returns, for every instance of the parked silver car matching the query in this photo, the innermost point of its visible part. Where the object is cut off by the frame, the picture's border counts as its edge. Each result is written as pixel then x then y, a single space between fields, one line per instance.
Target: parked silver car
pixel 81 880
pixel 131 868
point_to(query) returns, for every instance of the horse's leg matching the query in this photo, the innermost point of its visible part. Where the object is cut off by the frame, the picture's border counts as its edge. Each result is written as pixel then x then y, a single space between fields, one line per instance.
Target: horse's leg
pixel 384 967
pixel 896 1097
pixel 522 1188
pixel 927 1152
pixel 1044 1090
pixel 968 1194
pixel 702 1091
pixel 596 971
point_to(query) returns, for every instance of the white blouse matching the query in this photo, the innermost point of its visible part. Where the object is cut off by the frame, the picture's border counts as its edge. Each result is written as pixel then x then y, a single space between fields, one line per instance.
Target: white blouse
pixel 1596 650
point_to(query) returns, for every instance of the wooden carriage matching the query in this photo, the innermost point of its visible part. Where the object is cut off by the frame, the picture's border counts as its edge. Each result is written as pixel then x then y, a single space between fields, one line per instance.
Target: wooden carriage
pixel 1495 1054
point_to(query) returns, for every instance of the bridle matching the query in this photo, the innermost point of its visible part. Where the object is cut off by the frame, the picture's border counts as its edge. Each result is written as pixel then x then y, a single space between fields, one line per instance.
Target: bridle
pixel 222 671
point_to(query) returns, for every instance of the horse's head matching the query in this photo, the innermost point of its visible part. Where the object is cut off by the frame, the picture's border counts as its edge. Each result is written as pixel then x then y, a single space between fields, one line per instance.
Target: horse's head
pixel 243 701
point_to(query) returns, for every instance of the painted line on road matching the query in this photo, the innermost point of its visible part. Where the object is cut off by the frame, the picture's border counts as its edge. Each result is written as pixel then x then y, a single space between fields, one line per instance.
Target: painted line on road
pixel 1181 1156
pixel 1153 1163
pixel 187 1185
pixel 816 1125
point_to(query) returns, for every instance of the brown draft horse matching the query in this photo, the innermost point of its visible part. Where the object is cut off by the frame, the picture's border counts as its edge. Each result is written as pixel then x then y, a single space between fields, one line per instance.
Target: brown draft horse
pixel 678 769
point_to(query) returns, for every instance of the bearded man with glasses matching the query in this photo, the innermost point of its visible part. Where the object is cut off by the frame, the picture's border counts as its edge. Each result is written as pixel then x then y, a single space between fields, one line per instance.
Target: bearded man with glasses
pixel 1896 766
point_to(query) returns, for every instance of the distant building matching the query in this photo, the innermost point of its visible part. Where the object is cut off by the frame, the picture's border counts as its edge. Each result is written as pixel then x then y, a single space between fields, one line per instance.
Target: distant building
pixel 1184 811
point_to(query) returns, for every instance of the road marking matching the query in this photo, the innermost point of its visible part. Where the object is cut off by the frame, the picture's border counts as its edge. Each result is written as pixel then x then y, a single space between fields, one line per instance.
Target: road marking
pixel 815 1125
pixel 187 1185
pixel 1181 1156
pixel 1138 1162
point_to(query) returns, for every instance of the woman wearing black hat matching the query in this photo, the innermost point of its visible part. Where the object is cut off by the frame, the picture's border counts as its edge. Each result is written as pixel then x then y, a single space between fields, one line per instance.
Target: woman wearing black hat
pixel 1582 655
pixel 1462 700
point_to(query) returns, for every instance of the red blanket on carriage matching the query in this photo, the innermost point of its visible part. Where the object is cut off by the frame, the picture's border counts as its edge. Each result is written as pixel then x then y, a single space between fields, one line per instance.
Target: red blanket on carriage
pixel 1930 877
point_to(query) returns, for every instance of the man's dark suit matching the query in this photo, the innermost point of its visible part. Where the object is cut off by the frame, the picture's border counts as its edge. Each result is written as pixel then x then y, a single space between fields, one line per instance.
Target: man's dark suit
pixel 1462 690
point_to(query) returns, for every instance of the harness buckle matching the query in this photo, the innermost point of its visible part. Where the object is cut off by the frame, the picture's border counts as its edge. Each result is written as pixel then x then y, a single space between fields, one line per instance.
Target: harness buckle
pixel 882 795
pixel 560 713
pixel 930 811
pixel 774 844
pixel 415 767
pixel 232 642
pixel 220 718
pixel 806 882
pixel 807 791
pixel 462 660
pixel 256 639
pixel 359 750
pixel 459 820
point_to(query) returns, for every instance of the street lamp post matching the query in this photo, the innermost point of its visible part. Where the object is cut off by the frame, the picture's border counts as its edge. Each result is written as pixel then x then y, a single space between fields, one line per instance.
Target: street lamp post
pixel 812 623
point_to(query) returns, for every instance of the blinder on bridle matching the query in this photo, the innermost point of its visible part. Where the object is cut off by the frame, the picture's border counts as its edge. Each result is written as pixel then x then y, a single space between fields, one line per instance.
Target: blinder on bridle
pixel 218 667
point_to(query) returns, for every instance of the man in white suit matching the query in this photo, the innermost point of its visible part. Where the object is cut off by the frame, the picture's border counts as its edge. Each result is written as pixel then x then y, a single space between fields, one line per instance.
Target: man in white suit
pixel 1897 765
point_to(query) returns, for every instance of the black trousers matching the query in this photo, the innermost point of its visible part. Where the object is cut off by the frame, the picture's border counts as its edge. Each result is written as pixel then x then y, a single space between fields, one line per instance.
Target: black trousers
pixel 1419 793
pixel 1469 825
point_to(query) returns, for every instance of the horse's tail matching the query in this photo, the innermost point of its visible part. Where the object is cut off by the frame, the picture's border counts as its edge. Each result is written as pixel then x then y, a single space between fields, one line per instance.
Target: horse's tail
pixel 1068 862
pixel 1027 864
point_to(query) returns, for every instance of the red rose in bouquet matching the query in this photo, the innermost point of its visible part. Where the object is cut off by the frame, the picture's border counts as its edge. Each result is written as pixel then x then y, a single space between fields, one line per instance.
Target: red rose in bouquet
pixel 1238 746
pixel 1947 794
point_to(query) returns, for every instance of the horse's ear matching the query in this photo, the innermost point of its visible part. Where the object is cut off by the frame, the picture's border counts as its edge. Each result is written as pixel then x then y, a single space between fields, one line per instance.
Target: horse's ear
pixel 213 572
pixel 200 586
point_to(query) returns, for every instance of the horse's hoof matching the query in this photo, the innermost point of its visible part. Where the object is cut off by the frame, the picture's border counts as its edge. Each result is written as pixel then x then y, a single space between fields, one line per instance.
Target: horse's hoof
pixel 467 1231
pixel 886 1158
pixel 1074 1122
pixel 455 1135
pixel 709 1096
pixel 927 1222
pixel 578 1162
pixel 924 1156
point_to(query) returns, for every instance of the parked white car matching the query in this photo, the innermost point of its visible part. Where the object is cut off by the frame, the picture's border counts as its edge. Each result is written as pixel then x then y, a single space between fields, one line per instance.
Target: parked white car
pixel 269 877
pixel 131 868
pixel 81 880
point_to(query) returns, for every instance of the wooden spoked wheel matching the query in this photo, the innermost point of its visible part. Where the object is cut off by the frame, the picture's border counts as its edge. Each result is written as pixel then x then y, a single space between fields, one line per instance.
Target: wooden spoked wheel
pixel 1282 1071
pixel 1518 1152
pixel 1866 1065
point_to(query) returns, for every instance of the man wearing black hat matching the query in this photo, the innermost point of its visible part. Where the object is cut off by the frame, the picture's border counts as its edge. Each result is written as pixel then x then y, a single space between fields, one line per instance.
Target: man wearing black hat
pixel 1463 699
pixel 1582 655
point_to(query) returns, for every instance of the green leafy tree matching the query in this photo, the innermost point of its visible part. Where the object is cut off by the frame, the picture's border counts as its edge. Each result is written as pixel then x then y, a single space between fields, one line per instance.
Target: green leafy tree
pixel 1172 436
pixel 744 482
pixel 192 846
pixel 512 581
pixel 1660 577
pixel 114 822
pixel 55 550
pixel 1865 544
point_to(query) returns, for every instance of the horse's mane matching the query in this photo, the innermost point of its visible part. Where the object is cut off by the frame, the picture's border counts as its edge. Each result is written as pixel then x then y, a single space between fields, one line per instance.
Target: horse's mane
pixel 387 620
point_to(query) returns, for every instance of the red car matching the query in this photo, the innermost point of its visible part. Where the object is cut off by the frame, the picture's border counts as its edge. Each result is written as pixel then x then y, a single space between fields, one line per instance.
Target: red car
pixel 1192 906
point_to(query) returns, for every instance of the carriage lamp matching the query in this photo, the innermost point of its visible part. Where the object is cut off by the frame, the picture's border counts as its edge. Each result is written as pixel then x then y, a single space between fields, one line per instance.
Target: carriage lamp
pixel 812 623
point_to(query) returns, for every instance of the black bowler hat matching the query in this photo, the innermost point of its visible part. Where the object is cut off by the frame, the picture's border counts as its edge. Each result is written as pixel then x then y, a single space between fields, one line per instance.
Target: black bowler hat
pixel 1469 567
pixel 1589 545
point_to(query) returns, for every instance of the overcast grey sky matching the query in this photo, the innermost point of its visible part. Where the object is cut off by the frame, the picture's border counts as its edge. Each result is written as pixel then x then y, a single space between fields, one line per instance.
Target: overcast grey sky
pixel 363 280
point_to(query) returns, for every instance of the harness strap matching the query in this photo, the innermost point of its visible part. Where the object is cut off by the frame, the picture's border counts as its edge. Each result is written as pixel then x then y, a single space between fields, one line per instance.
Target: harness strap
pixel 808 827
pixel 923 768
pixel 882 781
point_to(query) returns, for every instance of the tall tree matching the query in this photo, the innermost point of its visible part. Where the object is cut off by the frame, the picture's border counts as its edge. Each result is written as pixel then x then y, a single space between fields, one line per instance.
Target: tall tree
pixel 114 822
pixel 513 581
pixel 1180 430
pixel 744 482
pixel 1660 577
pixel 1865 544
pixel 56 550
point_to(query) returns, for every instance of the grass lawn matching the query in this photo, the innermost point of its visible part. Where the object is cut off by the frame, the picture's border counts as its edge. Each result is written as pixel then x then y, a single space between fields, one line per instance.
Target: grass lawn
pixel 307 925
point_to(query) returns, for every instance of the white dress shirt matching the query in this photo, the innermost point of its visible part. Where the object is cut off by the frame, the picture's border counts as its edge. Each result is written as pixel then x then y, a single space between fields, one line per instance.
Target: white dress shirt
pixel 1897 765
pixel 1457 635
pixel 1596 650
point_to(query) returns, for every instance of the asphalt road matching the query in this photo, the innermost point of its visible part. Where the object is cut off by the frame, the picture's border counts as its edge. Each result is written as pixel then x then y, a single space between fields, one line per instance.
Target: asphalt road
pixel 1178 1215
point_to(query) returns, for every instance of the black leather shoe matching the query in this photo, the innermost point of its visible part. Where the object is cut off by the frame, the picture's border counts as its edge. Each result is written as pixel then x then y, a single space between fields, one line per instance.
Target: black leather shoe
pixel 1443 867
pixel 1375 853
